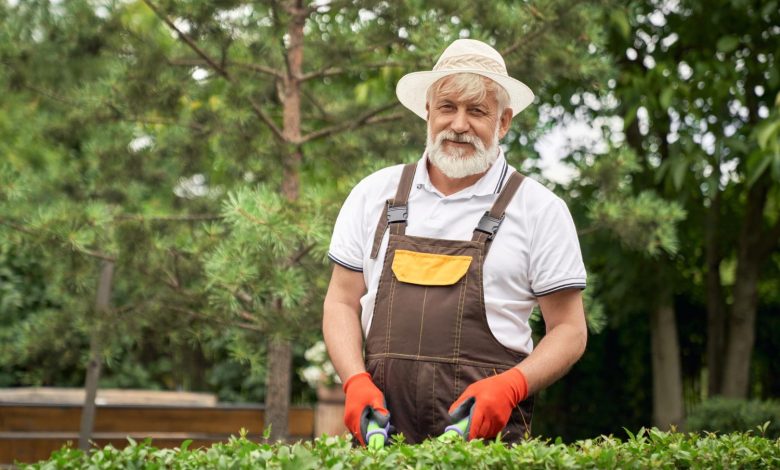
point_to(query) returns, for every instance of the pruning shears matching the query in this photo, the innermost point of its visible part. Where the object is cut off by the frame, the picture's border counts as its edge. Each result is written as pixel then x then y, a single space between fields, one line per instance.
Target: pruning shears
pixel 461 427
pixel 376 435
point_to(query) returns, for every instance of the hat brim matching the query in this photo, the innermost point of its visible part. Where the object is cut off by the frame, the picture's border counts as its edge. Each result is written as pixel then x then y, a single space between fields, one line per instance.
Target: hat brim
pixel 412 87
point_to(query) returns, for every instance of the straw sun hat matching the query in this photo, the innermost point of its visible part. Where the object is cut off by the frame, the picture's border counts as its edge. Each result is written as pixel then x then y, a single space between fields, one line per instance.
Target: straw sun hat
pixel 463 56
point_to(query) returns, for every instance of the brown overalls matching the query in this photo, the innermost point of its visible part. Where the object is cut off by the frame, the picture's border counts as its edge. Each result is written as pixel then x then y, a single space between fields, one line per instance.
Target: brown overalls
pixel 429 337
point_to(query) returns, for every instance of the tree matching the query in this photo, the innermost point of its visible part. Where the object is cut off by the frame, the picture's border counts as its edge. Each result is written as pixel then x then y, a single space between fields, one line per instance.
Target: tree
pixel 711 140
pixel 699 117
pixel 70 134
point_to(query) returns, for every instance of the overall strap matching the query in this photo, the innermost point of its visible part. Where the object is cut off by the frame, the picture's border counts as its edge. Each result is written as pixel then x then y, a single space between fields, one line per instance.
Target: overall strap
pixel 490 222
pixel 396 210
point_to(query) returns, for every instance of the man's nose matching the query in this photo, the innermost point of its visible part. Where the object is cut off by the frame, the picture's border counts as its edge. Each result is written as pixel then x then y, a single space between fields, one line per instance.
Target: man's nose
pixel 460 122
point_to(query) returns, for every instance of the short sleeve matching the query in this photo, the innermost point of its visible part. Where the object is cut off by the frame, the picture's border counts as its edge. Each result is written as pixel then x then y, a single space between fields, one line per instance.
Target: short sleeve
pixel 555 256
pixel 346 244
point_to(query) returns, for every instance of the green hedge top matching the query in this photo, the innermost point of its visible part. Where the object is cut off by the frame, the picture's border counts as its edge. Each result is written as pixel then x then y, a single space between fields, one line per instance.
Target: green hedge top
pixel 647 449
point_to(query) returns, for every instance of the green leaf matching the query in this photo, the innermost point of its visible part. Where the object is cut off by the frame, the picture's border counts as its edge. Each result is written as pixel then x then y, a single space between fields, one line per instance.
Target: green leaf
pixel 727 44
pixel 766 131
pixel 679 170
pixel 666 97
pixel 769 9
pixel 361 93
pixel 185 444
pixel 620 20
pixel 631 115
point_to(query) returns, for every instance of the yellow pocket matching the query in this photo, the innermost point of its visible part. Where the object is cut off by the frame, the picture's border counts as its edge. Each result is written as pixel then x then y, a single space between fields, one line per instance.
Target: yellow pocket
pixel 428 269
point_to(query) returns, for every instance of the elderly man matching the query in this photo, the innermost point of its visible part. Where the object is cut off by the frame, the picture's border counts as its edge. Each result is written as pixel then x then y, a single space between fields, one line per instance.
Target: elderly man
pixel 442 286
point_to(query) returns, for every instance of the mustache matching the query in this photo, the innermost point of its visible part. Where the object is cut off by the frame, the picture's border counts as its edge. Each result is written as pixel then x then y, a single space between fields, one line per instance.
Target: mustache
pixel 455 137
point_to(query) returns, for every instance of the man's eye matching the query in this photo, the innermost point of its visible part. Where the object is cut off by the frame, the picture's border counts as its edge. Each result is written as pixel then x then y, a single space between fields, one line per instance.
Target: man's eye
pixel 445 106
pixel 478 111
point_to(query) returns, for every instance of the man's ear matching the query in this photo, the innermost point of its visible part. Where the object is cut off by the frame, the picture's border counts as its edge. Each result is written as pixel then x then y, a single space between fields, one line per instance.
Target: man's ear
pixel 506 121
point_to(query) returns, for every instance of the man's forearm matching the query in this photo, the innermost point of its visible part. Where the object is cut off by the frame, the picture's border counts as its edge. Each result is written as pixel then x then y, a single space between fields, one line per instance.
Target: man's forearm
pixel 560 348
pixel 343 338
pixel 564 342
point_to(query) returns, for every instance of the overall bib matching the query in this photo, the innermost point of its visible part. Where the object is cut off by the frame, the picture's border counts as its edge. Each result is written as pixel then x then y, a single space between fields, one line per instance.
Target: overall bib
pixel 429 337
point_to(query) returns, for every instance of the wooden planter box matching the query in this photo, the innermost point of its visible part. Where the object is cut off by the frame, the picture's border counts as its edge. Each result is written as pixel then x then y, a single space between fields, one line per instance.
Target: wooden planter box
pixel 329 412
pixel 29 432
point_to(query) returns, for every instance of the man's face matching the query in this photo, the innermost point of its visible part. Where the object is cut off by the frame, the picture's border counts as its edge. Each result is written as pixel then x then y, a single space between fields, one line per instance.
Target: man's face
pixel 463 135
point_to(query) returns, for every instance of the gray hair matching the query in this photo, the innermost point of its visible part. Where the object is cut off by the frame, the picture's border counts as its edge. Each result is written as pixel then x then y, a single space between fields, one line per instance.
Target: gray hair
pixel 470 86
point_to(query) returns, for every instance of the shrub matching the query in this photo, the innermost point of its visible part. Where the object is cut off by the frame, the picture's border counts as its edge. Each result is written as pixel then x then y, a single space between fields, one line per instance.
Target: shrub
pixel 733 415
pixel 646 449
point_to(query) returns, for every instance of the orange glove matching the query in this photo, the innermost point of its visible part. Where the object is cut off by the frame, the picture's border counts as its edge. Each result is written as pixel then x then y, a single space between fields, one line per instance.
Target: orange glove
pixel 364 402
pixel 489 403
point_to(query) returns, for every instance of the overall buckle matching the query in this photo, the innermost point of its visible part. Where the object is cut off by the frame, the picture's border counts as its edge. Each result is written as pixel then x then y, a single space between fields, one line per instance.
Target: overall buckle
pixel 397 213
pixel 489 225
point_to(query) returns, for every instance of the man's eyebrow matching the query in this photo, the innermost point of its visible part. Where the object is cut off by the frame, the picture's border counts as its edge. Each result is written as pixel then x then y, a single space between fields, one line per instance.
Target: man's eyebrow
pixel 470 104
pixel 444 99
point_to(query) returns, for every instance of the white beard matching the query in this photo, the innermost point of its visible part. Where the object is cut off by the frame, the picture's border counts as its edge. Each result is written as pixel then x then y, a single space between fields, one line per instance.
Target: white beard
pixel 455 164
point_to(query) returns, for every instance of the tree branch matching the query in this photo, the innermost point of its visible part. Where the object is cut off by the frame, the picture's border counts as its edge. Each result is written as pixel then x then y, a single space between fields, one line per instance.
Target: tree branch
pixel 217 68
pixel 243 296
pixel 588 230
pixel 17 227
pixel 258 68
pixel 168 218
pixel 267 120
pixel 94 254
pixel 524 40
pixel 366 119
pixel 323 112
pixel 117 115
pixel 249 216
pixel 247 316
pixel 193 62
pixel 331 71
pixel 299 255
pixel 84 251
pixel 204 316
pixel 531 36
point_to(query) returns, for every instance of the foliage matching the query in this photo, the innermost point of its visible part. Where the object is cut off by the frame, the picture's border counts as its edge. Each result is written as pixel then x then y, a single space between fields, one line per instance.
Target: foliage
pixel 726 415
pixel 649 448
pixel 261 259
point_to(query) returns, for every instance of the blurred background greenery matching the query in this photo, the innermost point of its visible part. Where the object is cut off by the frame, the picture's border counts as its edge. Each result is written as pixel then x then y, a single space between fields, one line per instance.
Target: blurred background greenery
pixel 189 157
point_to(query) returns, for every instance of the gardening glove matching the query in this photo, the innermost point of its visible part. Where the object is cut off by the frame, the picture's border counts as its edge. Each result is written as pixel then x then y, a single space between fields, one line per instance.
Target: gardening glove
pixel 488 403
pixel 364 403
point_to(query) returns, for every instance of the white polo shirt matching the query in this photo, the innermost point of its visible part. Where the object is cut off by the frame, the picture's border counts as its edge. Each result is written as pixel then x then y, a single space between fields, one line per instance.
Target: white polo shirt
pixel 535 252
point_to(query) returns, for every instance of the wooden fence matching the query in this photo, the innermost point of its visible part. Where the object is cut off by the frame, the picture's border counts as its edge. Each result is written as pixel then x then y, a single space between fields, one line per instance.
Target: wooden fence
pixel 30 432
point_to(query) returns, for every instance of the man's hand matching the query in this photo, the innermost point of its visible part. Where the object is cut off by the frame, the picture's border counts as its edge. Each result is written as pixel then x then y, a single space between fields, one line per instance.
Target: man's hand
pixel 490 402
pixel 364 402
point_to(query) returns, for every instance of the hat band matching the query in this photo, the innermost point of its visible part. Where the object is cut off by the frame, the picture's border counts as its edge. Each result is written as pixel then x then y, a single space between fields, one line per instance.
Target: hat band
pixel 470 61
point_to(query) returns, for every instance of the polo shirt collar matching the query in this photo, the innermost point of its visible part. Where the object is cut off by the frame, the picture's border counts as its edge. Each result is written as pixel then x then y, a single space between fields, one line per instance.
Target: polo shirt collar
pixel 490 183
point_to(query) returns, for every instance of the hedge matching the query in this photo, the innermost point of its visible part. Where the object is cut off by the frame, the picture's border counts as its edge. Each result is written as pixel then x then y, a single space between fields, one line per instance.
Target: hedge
pixel 734 415
pixel 649 448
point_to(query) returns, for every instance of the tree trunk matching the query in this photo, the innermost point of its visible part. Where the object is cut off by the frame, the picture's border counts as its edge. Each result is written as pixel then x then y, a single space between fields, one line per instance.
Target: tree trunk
pixel 277 401
pixel 751 251
pixel 716 308
pixel 668 406
pixel 102 305
pixel 280 350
